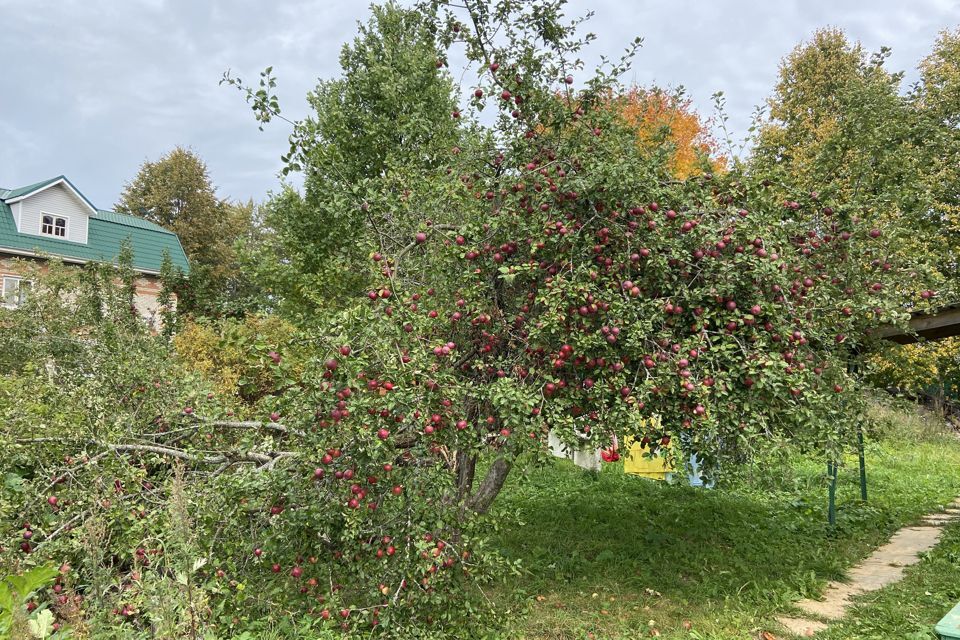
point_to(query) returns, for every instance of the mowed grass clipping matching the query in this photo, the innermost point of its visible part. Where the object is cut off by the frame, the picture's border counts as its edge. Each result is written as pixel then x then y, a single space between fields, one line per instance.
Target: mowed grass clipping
pixel 607 555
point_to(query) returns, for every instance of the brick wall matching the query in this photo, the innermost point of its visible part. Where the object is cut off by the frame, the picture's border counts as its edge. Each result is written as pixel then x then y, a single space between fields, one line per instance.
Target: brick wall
pixel 145 300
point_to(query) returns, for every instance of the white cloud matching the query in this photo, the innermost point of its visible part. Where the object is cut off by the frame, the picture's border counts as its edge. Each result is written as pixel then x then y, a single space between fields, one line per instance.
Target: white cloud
pixel 102 85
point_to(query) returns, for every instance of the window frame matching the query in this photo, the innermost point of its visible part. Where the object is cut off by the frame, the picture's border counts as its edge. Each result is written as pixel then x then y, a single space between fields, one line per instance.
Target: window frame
pixel 54 219
pixel 22 288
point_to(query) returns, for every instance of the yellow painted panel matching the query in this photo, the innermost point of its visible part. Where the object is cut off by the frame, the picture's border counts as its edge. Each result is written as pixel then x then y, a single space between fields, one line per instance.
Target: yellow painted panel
pixel 636 463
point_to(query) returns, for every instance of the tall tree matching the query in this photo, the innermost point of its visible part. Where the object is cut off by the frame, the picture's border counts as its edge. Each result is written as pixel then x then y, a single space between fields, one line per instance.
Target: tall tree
pixel 389 114
pixel 937 101
pixel 177 193
pixel 839 127
pixel 934 368
pixel 838 123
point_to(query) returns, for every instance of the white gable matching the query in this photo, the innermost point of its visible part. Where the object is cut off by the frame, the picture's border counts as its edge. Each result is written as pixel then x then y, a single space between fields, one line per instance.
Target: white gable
pixel 58 200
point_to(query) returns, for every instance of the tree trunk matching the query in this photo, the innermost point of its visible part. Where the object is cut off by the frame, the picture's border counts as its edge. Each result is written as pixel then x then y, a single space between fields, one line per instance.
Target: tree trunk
pixel 490 487
pixel 466 468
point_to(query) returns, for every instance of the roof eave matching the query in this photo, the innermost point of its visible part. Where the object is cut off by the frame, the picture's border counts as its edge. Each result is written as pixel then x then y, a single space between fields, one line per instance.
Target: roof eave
pixel 34 254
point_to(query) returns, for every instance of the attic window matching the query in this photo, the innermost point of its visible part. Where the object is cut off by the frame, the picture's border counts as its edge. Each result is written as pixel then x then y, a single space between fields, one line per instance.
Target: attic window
pixel 54 226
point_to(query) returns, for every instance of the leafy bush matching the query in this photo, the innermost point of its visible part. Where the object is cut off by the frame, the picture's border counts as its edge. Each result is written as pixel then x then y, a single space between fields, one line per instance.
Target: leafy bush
pixel 932 368
pixel 16 592
pixel 246 359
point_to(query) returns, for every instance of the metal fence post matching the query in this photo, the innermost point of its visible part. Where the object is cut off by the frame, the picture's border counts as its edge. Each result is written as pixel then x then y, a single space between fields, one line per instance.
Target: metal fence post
pixel 832 493
pixel 863 463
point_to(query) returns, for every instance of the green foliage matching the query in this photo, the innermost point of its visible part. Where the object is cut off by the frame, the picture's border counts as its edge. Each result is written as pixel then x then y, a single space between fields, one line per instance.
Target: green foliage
pixel 64 302
pixel 937 101
pixel 166 299
pixel 544 272
pixel 16 591
pixel 926 368
pixel 368 153
pixel 89 433
pixel 456 287
pixel 247 359
pixel 840 126
pixel 83 376
pixel 176 192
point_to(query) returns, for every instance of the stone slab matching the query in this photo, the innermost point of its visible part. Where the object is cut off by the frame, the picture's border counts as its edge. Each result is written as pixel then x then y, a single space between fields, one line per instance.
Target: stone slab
pixel 885 566
pixel 836 599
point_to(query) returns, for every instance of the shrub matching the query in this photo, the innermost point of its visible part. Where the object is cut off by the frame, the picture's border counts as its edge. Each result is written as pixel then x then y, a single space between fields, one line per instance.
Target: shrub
pixel 931 368
pixel 247 359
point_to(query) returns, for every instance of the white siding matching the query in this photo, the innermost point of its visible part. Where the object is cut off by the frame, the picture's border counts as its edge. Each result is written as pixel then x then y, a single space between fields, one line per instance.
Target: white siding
pixel 584 458
pixel 15 209
pixel 59 201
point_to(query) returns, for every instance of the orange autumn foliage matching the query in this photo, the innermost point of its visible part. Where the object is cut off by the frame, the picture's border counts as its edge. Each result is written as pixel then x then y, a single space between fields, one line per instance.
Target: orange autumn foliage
pixel 660 116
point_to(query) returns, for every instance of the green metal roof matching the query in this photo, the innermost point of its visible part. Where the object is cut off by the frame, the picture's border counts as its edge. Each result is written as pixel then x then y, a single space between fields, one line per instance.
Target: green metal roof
pixel 16 193
pixel 106 232
pixel 131 221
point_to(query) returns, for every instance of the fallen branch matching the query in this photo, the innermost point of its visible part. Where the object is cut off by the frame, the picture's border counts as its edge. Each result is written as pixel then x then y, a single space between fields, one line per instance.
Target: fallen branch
pixel 218 459
pixel 244 424
pixel 226 456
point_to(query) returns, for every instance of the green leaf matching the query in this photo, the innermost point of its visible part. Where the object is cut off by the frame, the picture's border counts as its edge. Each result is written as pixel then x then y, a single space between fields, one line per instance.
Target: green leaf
pixel 32 580
pixel 13 482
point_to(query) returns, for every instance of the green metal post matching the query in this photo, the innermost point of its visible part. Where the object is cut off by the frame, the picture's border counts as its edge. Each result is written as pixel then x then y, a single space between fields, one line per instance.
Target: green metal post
pixel 853 369
pixel 863 463
pixel 832 504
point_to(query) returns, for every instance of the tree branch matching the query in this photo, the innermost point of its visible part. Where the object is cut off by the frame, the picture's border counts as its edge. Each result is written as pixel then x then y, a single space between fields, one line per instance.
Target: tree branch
pixel 219 459
pixel 409 247
pixel 245 424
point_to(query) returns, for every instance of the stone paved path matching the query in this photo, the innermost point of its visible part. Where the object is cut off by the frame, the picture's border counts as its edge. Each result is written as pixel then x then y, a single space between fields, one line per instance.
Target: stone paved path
pixel 885 566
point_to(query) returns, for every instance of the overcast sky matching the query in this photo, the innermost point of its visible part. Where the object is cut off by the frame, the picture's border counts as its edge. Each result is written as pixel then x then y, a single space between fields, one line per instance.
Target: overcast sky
pixel 92 88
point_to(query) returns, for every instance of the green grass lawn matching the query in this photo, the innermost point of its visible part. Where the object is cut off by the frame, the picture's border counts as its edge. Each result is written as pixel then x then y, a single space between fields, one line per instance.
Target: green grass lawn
pixel 617 556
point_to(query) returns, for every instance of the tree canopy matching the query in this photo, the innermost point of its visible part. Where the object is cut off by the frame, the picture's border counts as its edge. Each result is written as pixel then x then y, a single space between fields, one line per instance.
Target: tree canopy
pixel 177 193
pixel 666 123
pixel 369 147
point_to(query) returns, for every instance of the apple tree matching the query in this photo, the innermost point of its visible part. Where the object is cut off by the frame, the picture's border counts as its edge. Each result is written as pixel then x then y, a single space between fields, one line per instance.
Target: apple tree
pixel 551 274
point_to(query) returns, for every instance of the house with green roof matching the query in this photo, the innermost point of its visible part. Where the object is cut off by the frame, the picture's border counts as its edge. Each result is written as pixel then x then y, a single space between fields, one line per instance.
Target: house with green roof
pixel 54 219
